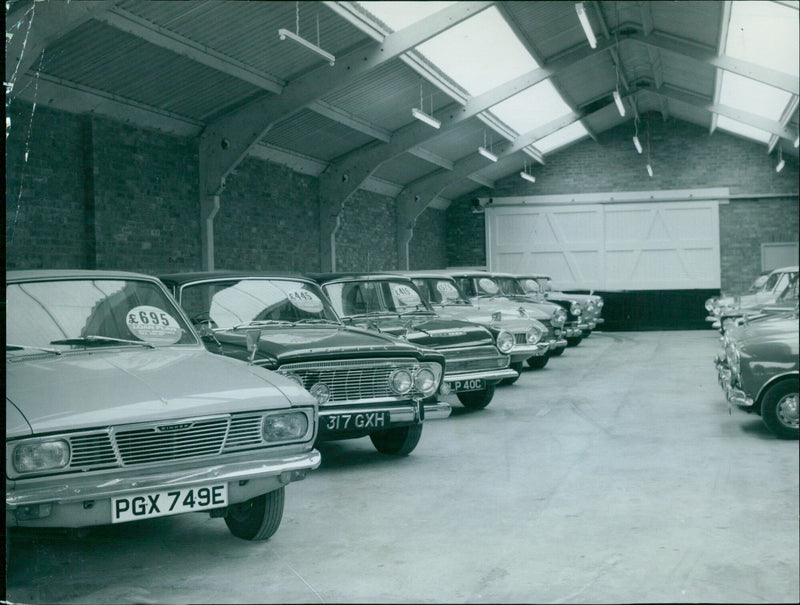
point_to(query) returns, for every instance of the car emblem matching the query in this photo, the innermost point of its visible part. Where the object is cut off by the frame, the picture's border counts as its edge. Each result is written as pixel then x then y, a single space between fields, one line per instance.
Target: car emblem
pixel 174 427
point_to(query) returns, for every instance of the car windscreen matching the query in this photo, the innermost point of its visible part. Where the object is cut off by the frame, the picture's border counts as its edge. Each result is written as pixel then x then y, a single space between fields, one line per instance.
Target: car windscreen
pixel 441 291
pixel 509 285
pixel 366 297
pixel 236 302
pixel 72 313
pixel 530 285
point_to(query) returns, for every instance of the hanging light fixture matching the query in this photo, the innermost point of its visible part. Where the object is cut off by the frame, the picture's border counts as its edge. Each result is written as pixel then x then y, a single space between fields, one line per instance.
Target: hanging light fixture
pixel 487 152
pixel 649 170
pixel 295 36
pixel 525 174
pixel 781 161
pixel 587 27
pixel 797 141
pixel 649 165
pixel 636 142
pixel 420 113
pixel 618 101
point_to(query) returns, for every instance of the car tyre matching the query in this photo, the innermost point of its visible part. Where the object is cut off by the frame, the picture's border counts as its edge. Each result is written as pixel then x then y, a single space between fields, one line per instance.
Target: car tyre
pixel 476 400
pixel 779 409
pixel 538 363
pixel 517 366
pixel 399 441
pixel 257 518
pixel 556 352
pixel 574 341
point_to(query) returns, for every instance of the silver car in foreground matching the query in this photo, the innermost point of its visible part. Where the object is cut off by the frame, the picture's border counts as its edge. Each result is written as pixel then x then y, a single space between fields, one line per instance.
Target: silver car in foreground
pixel 116 412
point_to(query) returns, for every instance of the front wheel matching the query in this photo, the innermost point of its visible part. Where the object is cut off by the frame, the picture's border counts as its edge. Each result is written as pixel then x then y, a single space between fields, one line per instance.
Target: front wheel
pixel 538 363
pixel 257 518
pixel 400 441
pixel 476 400
pixel 517 367
pixel 556 352
pixel 779 409
pixel 574 341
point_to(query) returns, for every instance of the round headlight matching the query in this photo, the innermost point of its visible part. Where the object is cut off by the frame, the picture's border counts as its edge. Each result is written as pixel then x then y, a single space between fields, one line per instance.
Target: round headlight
pixel 534 334
pixel 559 317
pixel 284 427
pixel 505 341
pixel 589 308
pixel 321 392
pixel 41 456
pixel 425 381
pixel 401 382
pixel 575 308
pixel 293 377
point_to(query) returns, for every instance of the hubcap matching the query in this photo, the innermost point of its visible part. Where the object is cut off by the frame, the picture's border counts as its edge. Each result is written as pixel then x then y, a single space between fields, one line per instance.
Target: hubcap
pixel 787 411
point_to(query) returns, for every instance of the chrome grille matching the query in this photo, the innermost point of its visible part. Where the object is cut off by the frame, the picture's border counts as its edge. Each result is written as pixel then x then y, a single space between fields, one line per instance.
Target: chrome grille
pixel 151 444
pixel 521 338
pixel 92 451
pixel 244 431
pixel 352 380
pixel 473 359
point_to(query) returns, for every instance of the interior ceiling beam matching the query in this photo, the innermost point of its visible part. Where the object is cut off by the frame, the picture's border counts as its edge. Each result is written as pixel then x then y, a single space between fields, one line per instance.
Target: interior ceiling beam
pixel 431 157
pixel 154 34
pixel 244 127
pixel 722 42
pixel 753 71
pixel 39 24
pixel 340 116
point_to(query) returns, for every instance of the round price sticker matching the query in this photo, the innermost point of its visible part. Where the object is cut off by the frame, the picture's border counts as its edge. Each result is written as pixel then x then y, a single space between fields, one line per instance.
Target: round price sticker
pixel 405 294
pixel 305 301
pixel 153 325
pixel 488 286
pixel 447 289
pixel 530 285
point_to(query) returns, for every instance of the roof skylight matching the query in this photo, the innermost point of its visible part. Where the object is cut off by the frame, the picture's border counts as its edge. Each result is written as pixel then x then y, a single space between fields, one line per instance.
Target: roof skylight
pixel 562 138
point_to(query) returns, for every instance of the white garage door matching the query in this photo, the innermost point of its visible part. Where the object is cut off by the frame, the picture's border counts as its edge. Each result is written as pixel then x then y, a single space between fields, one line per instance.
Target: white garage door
pixel 611 246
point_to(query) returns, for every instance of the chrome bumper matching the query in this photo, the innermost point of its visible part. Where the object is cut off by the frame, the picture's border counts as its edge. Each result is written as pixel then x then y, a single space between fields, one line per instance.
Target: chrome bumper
pixel 525 351
pixel 437 410
pixel 407 413
pixel 484 375
pixel 558 343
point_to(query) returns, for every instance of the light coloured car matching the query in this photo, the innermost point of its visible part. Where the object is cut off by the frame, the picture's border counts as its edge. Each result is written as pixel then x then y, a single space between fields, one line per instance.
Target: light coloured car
pixel 766 293
pixel 591 304
pixel 116 412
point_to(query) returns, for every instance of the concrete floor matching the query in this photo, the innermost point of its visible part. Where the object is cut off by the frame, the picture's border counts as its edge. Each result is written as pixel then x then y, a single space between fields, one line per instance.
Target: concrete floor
pixel 615 474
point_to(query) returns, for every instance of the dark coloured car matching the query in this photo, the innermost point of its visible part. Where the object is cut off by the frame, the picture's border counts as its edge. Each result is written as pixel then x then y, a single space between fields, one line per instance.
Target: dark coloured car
pixel 444 295
pixel 758 370
pixel 591 304
pixel 366 384
pixel 115 411
pixel 475 362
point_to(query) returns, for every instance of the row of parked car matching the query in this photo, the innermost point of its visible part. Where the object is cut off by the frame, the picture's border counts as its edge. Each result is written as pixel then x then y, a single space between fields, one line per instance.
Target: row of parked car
pixel 131 396
pixel 757 368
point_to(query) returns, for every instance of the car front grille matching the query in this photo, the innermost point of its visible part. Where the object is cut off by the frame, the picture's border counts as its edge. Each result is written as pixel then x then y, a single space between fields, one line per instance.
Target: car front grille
pixel 473 359
pixel 353 380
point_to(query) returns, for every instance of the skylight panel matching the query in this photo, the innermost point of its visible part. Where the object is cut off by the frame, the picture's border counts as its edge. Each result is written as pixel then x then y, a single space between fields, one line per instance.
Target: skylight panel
pixel 562 138
pixel 532 108
pixel 751 96
pixel 766 33
pixel 745 130
pixel 398 15
pixel 480 53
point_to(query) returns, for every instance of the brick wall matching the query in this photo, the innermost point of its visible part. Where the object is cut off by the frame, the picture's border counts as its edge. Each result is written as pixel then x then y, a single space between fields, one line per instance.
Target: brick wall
pixel 683 156
pixel 366 240
pixel 427 250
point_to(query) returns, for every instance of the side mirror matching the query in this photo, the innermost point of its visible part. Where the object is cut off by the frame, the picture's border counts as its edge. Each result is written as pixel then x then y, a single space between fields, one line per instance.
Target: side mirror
pixel 253 336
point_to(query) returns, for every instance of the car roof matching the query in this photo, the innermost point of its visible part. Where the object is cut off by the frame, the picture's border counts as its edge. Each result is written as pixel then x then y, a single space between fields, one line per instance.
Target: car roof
pixel 323 278
pixel 789 269
pixel 433 273
pixel 56 274
pixel 193 276
pixel 534 276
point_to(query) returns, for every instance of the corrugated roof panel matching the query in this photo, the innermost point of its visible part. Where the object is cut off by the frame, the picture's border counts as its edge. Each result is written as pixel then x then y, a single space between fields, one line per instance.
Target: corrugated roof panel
pixel 103 58
pixel 248 31
pixel 698 22
pixel 690 76
pixel 589 79
pixel 469 135
pixel 315 135
pixel 405 169
pixel 551 27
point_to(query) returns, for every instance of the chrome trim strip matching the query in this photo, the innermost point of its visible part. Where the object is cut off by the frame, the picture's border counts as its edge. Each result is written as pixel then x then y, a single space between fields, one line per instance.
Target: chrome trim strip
pixel 486 375
pixel 437 410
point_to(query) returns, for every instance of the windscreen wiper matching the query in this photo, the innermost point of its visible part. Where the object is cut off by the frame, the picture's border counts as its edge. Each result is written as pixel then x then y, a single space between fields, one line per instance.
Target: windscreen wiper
pixel 10 347
pixel 101 340
pixel 316 320
pixel 257 323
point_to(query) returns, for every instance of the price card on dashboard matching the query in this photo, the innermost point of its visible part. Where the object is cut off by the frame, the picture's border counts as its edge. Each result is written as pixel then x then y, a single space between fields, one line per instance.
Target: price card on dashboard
pixel 447 289
pixel 488 286
pixel 305 300
pixel 153 325
pixel 405 294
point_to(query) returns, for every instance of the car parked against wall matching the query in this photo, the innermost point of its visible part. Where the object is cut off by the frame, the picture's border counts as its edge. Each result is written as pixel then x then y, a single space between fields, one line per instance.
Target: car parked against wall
pixel 768 292
pixel 786 301
pixel 443 294
pixel 591 304
pixel 366 384
pixel 475 360
pixel 483 290
pixel 115 411
pixel 758 371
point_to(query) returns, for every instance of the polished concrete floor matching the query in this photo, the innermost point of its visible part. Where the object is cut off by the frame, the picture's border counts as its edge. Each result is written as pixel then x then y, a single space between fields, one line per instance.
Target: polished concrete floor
pixel 615 474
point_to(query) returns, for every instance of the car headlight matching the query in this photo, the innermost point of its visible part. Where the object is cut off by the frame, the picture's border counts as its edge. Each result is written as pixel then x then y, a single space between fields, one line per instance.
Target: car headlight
pixel 589 309
pixel 321 392
pixel 534 335
pixel 293 377
pixel 600 303
pixel 40 456
pixel 559 317
pixel 505 341
pixel 710 304
pixel 425 381
pixel 575 308
pixel 401 381
pixel 284 427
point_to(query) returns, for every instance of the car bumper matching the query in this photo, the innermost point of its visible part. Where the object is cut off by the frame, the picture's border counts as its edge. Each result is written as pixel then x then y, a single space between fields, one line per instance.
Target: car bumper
pixel 733 395
pixel 85 501
pixel 488 375
pixel 523 352
pixel 399 415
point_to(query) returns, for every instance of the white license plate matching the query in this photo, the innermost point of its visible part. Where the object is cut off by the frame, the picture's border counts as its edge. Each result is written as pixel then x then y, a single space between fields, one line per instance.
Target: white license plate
pixel 168 502
pixel 473 384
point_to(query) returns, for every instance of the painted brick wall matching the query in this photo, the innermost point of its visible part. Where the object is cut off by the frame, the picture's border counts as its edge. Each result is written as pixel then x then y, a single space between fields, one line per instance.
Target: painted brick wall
pixel 366 240
pixel 45 218
pixel 683 156
pixel 427 250
pixel 268 220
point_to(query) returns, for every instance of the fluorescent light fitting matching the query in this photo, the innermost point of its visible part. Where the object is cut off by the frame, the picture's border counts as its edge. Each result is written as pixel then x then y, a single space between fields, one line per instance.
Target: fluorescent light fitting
pixel 797 141
pixel 637 144
pixel 528 177
pixel 285 33
pixel 487 154
pixel 780 165
pixel 650 170
pixel 618 101
pixel 587 27
pixel 424 117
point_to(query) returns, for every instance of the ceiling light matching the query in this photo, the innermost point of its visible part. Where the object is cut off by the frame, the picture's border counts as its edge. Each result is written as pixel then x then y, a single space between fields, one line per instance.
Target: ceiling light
pixel 797 141
pixel 424 117
pixel 285 33
pixel 618 101
pixel 487 154
pixel 587 27
pixel 650 170
pixel 780 165
pixel 528 177
pixel 637 144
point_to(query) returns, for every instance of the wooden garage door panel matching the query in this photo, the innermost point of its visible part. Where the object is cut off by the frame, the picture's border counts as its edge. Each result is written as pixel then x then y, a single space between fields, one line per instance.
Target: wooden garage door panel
pixel 626 246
